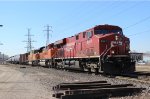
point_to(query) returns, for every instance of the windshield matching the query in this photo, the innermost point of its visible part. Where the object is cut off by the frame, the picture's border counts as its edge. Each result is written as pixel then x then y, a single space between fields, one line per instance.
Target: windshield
pixel 108 31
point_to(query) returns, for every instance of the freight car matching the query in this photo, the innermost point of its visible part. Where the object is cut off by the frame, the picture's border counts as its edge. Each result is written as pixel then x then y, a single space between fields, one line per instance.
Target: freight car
pixel 101 48
pixel 14 59
pixel 23 58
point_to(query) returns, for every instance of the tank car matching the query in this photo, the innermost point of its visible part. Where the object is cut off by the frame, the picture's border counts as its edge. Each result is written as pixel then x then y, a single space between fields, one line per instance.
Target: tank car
pixel 14 59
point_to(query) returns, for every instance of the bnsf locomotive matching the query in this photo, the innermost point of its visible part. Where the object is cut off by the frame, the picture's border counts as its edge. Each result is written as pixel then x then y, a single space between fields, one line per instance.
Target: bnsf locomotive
pixel 101 48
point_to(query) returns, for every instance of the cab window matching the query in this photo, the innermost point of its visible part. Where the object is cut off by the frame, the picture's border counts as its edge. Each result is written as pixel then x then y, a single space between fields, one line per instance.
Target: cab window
pixel 89 34
pixel 104 31
pixel 77 37
pixel 84 33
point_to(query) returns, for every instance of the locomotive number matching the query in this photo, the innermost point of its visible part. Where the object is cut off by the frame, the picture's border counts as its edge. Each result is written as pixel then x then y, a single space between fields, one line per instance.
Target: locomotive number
pixel 113 43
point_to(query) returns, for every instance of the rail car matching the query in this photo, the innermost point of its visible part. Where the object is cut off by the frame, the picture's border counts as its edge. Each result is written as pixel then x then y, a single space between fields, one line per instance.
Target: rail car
pixel 101 48
pixel 13 59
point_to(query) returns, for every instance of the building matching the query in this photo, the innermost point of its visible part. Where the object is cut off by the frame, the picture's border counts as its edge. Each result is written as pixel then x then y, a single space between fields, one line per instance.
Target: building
pixel 3 57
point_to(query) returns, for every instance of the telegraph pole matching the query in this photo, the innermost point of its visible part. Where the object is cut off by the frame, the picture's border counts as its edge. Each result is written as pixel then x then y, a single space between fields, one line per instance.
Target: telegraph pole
pixel 48 30
pixel 0 52
pixel 3 58
pixel 1 26
pixel 29 41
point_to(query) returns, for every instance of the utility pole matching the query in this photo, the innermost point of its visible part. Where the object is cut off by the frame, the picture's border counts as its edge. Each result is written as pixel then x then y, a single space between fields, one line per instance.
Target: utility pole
pixel 29 41
pixel 1 26
pixel 0 52
pixel 48 30
pixel 3 58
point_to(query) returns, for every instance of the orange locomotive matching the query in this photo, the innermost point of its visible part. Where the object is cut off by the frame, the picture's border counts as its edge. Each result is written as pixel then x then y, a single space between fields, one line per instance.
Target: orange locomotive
pixel 101 48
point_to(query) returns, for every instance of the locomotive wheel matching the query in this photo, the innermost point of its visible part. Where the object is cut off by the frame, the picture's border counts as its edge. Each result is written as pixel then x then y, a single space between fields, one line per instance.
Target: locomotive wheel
pixel 32 64
pixel 89 70
pixel 92 69
pixel 96 71
pixel 46 63
pixel 49 64
pixel 62 66
pixel 82 66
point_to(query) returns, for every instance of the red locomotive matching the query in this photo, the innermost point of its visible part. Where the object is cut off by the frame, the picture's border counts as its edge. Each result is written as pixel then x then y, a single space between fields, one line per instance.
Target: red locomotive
pixel 101 48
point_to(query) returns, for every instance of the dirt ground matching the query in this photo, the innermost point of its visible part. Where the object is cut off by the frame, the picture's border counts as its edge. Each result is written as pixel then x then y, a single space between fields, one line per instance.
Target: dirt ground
pixel 143 68
pixel 37 82
pixel 17 85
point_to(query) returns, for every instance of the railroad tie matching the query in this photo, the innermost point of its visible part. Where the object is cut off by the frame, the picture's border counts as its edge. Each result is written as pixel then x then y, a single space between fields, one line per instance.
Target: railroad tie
pixel 94 90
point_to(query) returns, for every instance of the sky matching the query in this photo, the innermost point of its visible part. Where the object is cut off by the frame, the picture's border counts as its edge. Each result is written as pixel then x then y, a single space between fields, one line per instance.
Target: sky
pixel 68 18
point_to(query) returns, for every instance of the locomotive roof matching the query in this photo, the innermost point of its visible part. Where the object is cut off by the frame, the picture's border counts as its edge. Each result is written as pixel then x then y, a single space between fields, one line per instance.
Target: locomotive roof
pixel 106 26
pixel 98 27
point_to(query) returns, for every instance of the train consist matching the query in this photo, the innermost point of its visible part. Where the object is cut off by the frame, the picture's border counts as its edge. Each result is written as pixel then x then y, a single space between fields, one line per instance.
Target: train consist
pixel 101 48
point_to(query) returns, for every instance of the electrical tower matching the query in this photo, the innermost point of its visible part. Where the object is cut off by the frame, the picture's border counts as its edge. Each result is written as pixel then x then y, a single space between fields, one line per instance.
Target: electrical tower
pixel 48 30
pixel 29 41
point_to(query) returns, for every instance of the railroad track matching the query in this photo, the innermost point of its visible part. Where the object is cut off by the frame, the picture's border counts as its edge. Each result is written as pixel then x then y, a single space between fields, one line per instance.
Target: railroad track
pixel 93 90
pixel 143 77
pixel 136 76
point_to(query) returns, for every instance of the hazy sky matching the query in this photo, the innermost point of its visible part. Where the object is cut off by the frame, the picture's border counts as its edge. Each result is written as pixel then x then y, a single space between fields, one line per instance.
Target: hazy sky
pixel 67 18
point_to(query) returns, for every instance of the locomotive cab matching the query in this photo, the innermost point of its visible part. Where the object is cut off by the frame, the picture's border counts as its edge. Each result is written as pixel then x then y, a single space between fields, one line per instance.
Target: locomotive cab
pixel 114 50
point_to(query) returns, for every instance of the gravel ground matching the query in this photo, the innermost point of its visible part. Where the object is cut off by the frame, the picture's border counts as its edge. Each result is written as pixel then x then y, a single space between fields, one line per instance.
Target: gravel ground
pixel 48 78
pixel 17 85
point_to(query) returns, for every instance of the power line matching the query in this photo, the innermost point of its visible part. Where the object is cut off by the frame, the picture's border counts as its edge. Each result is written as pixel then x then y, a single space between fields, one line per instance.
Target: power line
pixel 110 6
pixel 139 32
pixel 125 10
pixel 62 19
pixel 134 24
pixel 29 41
pixel 140 21
pixel 48 30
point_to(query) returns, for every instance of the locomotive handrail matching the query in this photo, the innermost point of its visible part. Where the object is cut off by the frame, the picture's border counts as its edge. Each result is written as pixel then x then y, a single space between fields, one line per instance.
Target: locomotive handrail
pixel 103 51
pixel 106 52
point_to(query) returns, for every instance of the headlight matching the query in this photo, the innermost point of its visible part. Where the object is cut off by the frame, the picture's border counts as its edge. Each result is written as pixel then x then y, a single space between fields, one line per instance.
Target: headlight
pixel 116 37
pixel 113 52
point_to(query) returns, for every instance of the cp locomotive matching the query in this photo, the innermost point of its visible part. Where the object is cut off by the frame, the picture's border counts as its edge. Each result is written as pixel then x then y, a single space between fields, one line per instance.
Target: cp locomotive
pixel 101 48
